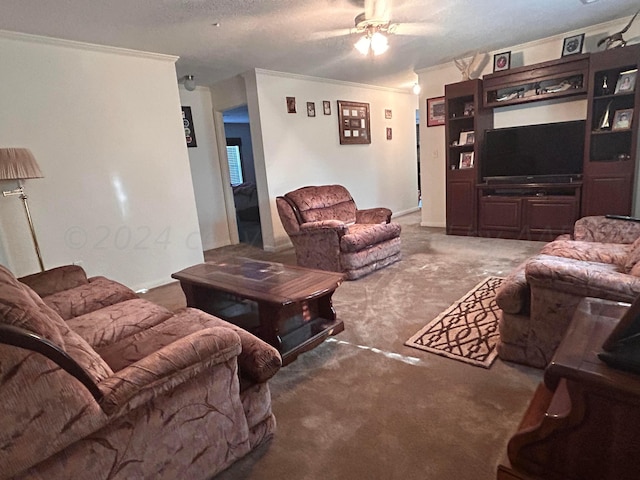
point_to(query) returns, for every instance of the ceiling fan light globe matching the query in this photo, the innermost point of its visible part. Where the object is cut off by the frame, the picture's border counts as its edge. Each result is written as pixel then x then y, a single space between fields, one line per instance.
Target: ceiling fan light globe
pixel 363 44
pixel 189 83
pixel 379 43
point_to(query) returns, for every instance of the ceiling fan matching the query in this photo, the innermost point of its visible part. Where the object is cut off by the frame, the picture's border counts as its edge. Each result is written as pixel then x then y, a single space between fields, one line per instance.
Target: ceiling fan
pixel 374 25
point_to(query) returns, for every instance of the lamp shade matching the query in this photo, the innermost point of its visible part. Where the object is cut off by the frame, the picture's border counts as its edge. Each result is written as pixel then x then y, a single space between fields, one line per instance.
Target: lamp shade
pixel 17 164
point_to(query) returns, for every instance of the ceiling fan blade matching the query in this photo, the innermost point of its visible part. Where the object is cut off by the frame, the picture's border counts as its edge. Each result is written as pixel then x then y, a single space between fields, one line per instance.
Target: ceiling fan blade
pixel 339 32
pixel 417 29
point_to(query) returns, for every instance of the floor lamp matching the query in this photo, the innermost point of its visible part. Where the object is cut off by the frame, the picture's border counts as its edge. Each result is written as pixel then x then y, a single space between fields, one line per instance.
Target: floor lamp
pixel 18 164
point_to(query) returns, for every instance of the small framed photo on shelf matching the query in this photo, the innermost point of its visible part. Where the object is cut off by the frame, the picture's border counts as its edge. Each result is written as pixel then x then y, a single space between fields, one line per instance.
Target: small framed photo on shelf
pixel 572 45
pixel 435 111
pixel 501 61
pixel 466 160
pixel 468 109
pixel 626 81
pixel 466 138
pixel 622 119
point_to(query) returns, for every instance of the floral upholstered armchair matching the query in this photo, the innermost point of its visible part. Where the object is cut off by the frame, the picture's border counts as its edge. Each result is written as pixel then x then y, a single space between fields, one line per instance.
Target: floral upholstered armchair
pixel 600 259
pixel 328 232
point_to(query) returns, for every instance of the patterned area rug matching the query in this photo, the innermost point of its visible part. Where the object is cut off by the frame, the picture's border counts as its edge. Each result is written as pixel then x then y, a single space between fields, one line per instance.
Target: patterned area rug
pixel 467 330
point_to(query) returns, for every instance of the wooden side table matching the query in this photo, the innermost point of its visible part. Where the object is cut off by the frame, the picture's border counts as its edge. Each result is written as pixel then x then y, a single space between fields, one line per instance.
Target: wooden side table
pixel 583 422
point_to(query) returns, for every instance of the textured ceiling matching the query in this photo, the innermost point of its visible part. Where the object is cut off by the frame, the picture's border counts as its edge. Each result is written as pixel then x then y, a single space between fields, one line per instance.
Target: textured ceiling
pixel 309 37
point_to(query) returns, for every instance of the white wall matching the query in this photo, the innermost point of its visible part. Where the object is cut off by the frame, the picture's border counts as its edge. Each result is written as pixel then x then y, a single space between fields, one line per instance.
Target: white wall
pixel 433 80
pixel 301 150
pixel 106 128
pixel 294 150
pixel 205 170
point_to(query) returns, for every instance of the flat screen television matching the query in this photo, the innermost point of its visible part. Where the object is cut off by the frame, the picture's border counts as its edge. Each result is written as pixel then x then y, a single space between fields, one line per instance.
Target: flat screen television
pixel 550 152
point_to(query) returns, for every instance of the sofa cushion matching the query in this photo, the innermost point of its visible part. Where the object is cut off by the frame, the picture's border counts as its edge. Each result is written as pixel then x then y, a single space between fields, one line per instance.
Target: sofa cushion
pixel 258 360
pixel 115 322
pixel 56 279
pixel 100 292
pixel 361 236
pixel 609 253
pixel 324 202
pixel 22 307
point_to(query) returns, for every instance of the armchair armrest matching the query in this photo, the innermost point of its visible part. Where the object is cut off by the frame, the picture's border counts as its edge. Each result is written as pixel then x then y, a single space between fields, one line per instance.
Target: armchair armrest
pixel 373 215
pixel 606 230
pixel 581 278
pixel 340 227
pixel 56 280
pixel 168 367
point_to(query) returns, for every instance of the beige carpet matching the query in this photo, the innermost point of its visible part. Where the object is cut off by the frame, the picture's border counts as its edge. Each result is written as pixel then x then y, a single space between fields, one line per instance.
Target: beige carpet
pixel 467 330
pixel 366 406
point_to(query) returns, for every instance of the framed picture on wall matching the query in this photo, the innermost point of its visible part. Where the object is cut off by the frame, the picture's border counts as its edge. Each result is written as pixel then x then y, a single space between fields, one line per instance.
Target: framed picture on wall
pixel 572 45
pixel 311 109
pixel 501 61
pixel 435 111
pixel 353 123
pixel 189 131
pixel 326 107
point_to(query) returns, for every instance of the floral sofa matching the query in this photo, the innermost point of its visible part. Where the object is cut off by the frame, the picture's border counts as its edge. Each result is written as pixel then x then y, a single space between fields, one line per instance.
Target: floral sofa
pixel 328 232
pixel 98 383
pixel 539 297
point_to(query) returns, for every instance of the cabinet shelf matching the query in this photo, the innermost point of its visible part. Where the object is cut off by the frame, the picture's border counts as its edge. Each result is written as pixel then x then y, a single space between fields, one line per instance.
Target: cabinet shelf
pixel 544 81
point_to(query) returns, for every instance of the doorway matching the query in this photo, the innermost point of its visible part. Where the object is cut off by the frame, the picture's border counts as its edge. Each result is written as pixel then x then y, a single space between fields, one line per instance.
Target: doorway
pixel 242 175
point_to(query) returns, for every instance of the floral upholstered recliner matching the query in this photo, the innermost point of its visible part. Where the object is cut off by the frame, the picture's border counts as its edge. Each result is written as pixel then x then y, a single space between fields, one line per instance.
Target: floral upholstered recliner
pixel 539 298
pixel 328 232
pixel 96 383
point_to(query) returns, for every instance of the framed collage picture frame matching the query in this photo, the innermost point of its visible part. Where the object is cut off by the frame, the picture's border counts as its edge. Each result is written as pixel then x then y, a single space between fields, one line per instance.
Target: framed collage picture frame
pixel 353 123
pixel 435 111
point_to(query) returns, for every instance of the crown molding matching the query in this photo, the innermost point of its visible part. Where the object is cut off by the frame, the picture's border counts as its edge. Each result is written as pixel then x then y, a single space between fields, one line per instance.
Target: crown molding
pixel 343 83
pixel 59 42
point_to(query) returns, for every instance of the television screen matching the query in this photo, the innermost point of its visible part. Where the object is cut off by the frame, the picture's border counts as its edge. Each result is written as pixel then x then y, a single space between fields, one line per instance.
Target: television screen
pixel 533 150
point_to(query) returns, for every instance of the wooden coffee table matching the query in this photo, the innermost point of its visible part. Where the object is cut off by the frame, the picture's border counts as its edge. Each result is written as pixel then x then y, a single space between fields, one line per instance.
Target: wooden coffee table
pixel 287 306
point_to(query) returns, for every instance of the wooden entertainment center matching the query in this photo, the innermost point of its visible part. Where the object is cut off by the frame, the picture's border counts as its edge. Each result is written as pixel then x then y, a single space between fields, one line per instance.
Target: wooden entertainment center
pixel 541 211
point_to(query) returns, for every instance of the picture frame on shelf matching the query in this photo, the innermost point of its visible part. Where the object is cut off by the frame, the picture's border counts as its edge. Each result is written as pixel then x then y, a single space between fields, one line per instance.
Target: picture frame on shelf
pixel 501 61
pixel 466 160
pixel 626 81
pixel 326 107
pixel 468 109
pixel 466 138
pixel 435 111
pixel 572 45
pixel 354 124
pixel 622 119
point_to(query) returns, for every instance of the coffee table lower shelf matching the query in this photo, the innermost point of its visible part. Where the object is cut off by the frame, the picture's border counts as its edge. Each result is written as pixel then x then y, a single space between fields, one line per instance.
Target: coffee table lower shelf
pixel 306 337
